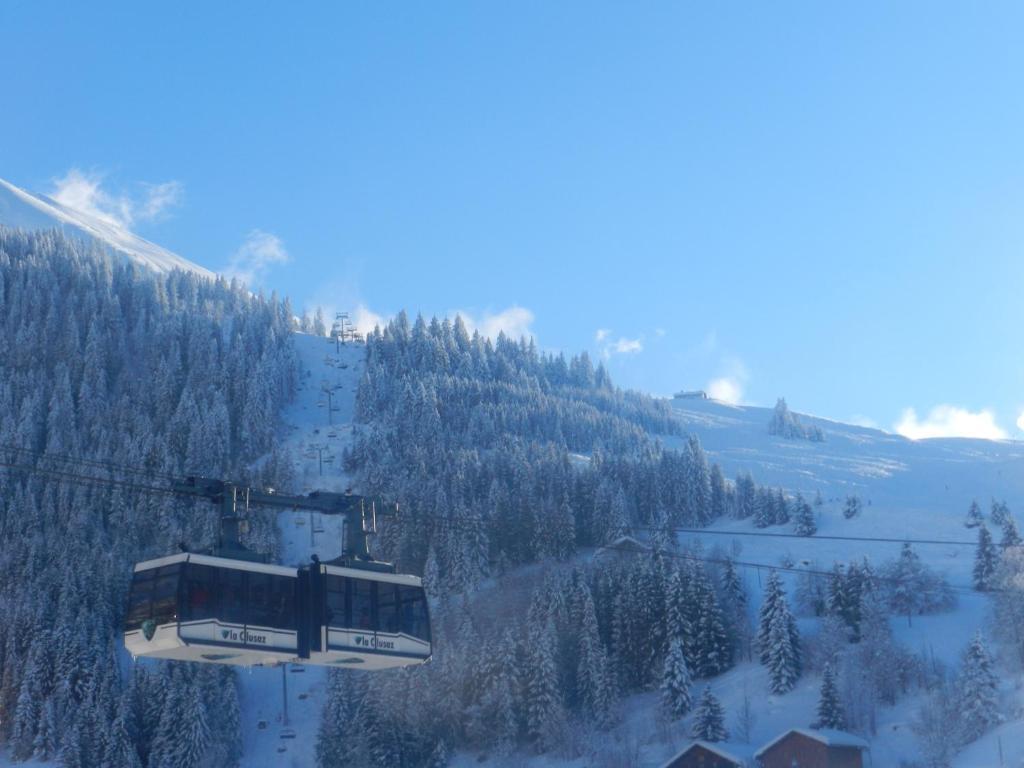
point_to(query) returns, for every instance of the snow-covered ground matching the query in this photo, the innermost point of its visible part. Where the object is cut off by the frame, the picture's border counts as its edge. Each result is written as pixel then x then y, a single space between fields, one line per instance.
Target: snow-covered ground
pixel 303 534
pixel 909 489
pixel 29 211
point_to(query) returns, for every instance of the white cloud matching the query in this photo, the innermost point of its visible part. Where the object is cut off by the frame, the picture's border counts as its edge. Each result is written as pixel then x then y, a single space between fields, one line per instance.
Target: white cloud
pixel 1020 421
pixel 84 192
pixel 950 421
pixel 729 384
pixel 728 389
pixel 625 347
pixel 515 322
pixel 620 346
pixel 257 255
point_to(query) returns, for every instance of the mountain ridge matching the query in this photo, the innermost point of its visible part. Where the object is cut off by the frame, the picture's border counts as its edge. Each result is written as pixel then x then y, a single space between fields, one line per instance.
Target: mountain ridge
pixel 22 209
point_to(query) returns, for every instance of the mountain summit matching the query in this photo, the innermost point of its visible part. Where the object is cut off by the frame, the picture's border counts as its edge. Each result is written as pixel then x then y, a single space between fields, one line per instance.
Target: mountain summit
pixel 26 210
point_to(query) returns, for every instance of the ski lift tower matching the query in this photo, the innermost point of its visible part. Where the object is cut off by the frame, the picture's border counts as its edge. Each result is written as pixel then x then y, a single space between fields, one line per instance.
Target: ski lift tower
pixel 342 330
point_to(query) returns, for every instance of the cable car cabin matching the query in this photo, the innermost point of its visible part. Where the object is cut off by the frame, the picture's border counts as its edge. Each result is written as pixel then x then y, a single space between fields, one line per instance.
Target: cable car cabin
pixel 367 620
pixel 202 608
pixel 193 607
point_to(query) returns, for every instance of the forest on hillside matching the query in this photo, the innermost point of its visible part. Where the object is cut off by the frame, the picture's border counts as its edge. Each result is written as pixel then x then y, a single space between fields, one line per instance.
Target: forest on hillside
pixel 112 371
pixel 537 501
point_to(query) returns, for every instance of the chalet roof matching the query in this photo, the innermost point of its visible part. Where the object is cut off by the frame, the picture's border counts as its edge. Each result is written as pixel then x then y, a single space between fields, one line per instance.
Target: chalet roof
pixel 827 736
pixel 624 545
pixel 713 748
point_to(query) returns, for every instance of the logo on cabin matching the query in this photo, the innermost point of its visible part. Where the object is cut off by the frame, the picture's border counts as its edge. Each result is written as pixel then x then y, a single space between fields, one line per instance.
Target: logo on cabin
pixel 375 642
pixel 233 636
pixel 149 629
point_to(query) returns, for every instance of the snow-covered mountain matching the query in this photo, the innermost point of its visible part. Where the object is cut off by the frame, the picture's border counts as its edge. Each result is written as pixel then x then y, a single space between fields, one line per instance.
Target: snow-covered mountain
pixel 29 211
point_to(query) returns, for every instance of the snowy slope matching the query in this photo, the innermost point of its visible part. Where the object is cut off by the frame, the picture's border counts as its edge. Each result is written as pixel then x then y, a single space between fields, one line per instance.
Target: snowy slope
pixel 909 489
pixel 914 489
pixel 25 210
pixel 303 534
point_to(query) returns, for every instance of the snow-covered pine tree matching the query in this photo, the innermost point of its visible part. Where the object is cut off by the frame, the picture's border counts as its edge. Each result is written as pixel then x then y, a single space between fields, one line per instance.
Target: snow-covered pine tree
pixel 1011 536
pixel 746 496
pixel 974 516
pixel 192 732
pixel 774 603
pixel 830 709
pixel 781 511
pixel 805 524
pixel 764 508
pixel 593 673
pixel 852 507
pixel 709 718
pixel 714 651
pixel 719 493
pixel 999 511
pixel 543 702
pixel 977 686
pixel 986 561
pixel 783 653
pixel 675 682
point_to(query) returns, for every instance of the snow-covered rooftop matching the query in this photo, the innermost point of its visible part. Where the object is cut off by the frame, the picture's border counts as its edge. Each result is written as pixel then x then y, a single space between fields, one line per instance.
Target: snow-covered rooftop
pixel 737 754
pixel 827 736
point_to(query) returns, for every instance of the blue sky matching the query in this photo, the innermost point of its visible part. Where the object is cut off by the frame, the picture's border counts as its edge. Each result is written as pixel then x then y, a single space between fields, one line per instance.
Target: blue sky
pixel 815 200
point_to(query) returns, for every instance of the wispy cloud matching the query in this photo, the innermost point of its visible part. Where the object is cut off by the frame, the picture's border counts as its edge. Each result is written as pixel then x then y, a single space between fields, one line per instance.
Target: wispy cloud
pixel 1020 421
pixel 365 319
pixel 950 421
pixel 83 191
pixel 622 345
pixel 257 255
pixel 514 322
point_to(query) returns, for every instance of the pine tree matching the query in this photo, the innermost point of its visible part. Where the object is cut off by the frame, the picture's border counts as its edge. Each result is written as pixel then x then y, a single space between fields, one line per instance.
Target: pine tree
pixel 774 603
pixel 593 673
pixel 709 719
pixel 830 710
pixel 714 651
pixel 543 704
pixel 805 524
pixel 974 516
pixel 986 561
pixel 852 508
pixel 675 683
pixel 764 508
pixel 1011 536
pixel 783 654
pixel 978 691
pixel 719 493
pixel 781 512
pixel 192 732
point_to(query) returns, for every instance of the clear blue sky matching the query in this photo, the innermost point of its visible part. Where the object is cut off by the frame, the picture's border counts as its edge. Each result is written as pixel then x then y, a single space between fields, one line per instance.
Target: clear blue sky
pixel 816 200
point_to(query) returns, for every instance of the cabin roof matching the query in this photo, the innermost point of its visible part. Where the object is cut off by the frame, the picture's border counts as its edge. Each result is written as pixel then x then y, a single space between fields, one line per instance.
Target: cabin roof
pixel 827 736
pixel 716 749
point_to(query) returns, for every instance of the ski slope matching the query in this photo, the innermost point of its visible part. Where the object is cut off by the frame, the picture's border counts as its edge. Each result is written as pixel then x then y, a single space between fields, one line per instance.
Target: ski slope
pixel 25 210
pixel 303 534
pixel 909 489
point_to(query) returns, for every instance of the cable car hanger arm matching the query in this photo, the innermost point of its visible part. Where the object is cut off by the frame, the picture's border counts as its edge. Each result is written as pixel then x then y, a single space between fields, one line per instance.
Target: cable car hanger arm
pixel 234 500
